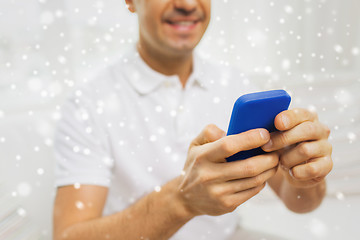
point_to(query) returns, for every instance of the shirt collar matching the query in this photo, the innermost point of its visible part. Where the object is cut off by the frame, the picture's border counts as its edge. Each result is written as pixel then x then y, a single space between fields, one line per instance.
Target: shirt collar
pixel 145 80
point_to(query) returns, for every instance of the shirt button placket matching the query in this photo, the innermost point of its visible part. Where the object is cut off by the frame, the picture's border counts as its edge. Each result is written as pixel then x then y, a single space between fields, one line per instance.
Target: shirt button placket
pixel 182 116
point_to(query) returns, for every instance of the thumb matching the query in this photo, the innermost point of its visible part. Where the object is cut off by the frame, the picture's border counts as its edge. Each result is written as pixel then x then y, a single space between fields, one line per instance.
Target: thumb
pixel 210 133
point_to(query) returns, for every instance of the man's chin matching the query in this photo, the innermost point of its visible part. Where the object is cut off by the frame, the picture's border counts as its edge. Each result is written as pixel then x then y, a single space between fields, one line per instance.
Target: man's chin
pixel 183 47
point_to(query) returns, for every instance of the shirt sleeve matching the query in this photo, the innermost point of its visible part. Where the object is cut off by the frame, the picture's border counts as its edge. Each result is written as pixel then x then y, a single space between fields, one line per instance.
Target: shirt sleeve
pixel 81 153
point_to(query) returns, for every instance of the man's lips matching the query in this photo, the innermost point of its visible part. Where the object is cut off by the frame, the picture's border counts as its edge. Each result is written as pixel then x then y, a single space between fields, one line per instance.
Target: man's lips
pixel 182 24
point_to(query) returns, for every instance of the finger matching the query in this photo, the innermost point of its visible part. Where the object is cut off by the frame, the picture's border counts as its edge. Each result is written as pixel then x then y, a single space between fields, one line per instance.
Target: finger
pixel 238 185
pixel 305 131
pixel 291 118
pixel 317 168
pixel 247 168
pixel 304 152
pixel 210 133
pixel 241 197
pixel 227 146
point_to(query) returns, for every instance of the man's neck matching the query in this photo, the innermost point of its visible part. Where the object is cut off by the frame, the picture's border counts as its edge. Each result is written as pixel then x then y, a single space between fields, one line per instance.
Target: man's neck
pixel 181 65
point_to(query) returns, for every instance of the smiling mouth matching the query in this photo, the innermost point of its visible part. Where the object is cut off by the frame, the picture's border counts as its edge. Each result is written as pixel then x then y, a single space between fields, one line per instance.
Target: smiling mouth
pixel 182 23
pixel 183 26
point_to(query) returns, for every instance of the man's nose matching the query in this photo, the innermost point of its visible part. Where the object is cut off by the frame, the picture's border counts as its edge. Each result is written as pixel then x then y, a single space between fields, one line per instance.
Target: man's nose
pixel 187 6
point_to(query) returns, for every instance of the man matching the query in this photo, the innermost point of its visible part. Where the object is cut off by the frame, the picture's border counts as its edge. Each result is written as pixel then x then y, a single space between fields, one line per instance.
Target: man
pixel 123 142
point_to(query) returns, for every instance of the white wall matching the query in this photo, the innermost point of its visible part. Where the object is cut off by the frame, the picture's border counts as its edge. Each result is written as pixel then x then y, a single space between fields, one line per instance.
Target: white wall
pixel 309 47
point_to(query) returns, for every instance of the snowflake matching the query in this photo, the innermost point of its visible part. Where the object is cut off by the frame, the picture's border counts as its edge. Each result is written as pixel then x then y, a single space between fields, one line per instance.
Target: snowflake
pixel 157 189
pixel 79 205
pixel 40 171
pixel 24 189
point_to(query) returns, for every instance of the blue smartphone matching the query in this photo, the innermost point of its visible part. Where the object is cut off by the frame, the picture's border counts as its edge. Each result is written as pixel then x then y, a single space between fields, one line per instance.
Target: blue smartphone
pixel 256 110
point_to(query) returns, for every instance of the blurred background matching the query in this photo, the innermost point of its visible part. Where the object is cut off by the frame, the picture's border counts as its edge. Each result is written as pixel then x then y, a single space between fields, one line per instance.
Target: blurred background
pixel 309 47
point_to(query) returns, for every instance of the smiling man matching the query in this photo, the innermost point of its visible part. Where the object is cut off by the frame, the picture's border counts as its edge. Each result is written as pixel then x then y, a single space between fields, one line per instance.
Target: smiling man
pixel 129 163
pixel 169 32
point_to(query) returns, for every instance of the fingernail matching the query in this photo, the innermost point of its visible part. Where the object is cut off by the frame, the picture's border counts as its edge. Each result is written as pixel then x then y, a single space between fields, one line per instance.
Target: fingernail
pixel 286 121
pixel 268 145
pixel 264 134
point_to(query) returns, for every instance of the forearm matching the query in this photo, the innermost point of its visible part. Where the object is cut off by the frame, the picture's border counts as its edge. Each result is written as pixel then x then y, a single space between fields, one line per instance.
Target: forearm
pixel 156 216
pixel 299 200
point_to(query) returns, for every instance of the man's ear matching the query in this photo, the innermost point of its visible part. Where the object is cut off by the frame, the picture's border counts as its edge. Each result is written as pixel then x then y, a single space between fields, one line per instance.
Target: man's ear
pixel 130 5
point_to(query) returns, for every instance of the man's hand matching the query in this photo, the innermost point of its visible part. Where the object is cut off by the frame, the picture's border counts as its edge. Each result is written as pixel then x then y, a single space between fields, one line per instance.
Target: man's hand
pixel 212 186
pixel 305 153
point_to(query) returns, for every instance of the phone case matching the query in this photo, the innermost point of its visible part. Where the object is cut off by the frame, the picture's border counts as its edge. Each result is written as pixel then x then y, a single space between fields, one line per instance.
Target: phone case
pixel 256 110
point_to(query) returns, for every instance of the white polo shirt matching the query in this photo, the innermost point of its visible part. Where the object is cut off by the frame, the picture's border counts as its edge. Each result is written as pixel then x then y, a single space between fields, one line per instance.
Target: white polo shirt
pixel 130 127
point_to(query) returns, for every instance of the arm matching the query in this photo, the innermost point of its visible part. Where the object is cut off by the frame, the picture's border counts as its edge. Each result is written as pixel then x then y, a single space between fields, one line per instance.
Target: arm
pixel 297 199
pixel 209 185
pixel 305 159
pixel 77 215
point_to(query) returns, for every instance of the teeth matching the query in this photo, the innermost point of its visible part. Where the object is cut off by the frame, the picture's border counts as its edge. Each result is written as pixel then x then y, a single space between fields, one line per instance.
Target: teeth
pixel 185 23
